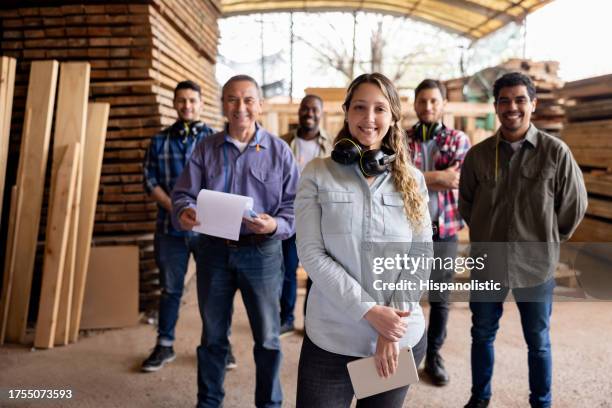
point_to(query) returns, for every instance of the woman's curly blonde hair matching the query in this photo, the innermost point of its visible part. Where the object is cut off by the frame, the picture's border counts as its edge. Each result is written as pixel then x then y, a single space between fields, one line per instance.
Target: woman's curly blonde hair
pixel 394 140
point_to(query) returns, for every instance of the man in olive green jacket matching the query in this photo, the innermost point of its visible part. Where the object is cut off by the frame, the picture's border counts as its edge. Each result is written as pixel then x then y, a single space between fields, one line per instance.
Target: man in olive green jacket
pixel 521 193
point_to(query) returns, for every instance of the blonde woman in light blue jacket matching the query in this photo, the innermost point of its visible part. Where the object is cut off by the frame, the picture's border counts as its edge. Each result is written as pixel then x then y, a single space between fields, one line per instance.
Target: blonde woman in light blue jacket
pixel 368 193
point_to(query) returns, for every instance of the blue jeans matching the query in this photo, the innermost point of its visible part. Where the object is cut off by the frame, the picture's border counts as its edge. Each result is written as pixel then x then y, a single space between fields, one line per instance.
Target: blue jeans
pixel 257 271
pixel 535 321
pixel 289 293
pixel 172 257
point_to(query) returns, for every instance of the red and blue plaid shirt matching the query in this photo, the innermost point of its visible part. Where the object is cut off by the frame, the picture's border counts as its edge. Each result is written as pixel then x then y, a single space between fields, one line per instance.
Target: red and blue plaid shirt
pixel 452 147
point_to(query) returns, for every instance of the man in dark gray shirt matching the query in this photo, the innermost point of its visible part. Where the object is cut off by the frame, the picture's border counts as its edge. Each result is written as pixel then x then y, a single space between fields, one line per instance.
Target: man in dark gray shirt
pixel 521 193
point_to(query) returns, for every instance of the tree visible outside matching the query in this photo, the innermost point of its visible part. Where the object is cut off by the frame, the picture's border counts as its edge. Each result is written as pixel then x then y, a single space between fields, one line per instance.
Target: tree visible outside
pixel 330 49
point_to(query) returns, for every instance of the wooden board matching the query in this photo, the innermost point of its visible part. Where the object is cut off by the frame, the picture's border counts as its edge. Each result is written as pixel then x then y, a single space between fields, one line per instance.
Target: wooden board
pixel 111 291
pixel 97 119
pixel 584 88
pixel 588 134
pixel 9 269
pixel 70 124
pixel 7 86
pixel 56 242
pixel 600 208
pixel 598 184
pixel 590 110
pixel 593 156
pixel 593 230
pixel 30 183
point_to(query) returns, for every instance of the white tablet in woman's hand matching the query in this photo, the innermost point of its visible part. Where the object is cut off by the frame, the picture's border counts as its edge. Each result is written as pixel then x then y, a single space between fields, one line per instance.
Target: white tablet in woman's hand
pixel 367 382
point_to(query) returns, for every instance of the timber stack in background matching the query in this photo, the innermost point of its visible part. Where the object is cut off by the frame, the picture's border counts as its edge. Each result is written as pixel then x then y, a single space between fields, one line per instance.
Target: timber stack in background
pixel 588 133
pixel 138 52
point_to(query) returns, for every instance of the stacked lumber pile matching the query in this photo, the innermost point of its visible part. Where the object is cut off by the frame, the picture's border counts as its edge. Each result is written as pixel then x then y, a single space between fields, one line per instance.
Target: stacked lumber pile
pixel 588 132
pixel 549 114
pixel 137 53
pixel 454 89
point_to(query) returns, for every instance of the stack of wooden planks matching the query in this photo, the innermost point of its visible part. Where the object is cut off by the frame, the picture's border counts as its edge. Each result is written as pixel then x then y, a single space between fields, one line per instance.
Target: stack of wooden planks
pixel 454 89
pixel 588 132
pixel 138 53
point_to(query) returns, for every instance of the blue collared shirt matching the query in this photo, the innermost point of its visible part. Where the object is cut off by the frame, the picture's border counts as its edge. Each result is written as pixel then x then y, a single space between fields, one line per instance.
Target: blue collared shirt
pixel 265 171
pixel 165 159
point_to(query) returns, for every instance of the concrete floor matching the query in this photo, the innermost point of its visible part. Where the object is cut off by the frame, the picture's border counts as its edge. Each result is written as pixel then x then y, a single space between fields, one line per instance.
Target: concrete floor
pixel 102 370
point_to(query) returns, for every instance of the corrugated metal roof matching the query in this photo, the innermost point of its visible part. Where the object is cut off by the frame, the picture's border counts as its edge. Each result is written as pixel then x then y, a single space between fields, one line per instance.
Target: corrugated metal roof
pixel 473 19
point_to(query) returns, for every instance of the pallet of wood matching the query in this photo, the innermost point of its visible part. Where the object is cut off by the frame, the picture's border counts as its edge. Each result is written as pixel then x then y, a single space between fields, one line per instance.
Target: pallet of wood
pixel 588 133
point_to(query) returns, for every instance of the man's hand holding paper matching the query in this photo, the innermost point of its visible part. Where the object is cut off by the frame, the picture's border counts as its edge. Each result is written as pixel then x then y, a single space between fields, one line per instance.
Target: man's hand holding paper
pixel 262 224
pixel 221 215
pixel 187 219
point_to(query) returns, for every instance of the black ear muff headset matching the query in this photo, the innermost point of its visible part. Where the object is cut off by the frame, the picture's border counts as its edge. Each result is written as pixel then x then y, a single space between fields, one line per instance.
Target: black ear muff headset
pixel 426 132
pixel 371 162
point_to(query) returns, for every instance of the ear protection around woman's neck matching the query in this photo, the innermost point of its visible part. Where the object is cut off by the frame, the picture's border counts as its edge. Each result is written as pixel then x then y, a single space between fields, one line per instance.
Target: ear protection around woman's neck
pixel 372 162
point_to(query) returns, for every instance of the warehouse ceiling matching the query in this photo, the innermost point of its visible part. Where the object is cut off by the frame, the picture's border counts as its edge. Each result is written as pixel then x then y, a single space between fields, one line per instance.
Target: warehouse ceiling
pixel 473 19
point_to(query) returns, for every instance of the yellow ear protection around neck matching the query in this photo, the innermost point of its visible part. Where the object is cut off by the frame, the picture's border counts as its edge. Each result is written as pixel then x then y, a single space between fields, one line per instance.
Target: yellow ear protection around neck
pixel 426 132
pixel 372 162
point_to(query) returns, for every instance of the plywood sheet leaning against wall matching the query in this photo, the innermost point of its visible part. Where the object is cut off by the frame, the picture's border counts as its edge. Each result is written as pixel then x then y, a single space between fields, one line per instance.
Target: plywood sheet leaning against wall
pixel 59 225
pixel 111 292
pixel 70 124
pixel 588 133
pixel 30 185
pixel 97 120
pixel 7 86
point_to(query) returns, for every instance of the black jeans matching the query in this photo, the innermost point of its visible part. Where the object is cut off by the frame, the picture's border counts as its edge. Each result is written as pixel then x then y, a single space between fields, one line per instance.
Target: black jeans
pixel 323 380
pixel 438 301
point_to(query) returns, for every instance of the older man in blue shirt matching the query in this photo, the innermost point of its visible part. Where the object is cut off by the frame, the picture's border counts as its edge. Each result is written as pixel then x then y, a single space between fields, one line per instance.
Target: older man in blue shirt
pixel 243 159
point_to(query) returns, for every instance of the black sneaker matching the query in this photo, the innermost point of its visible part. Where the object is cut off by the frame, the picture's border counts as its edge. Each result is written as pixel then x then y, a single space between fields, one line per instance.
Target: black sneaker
pixel 231 360
pixel 434 367
pixel 286 329
pixel 160 356
pixel 477 403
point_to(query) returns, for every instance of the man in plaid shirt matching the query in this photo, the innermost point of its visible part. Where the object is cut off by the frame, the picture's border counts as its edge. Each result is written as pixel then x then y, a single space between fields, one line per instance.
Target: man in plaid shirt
pixel 438 151
pixel 166 157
